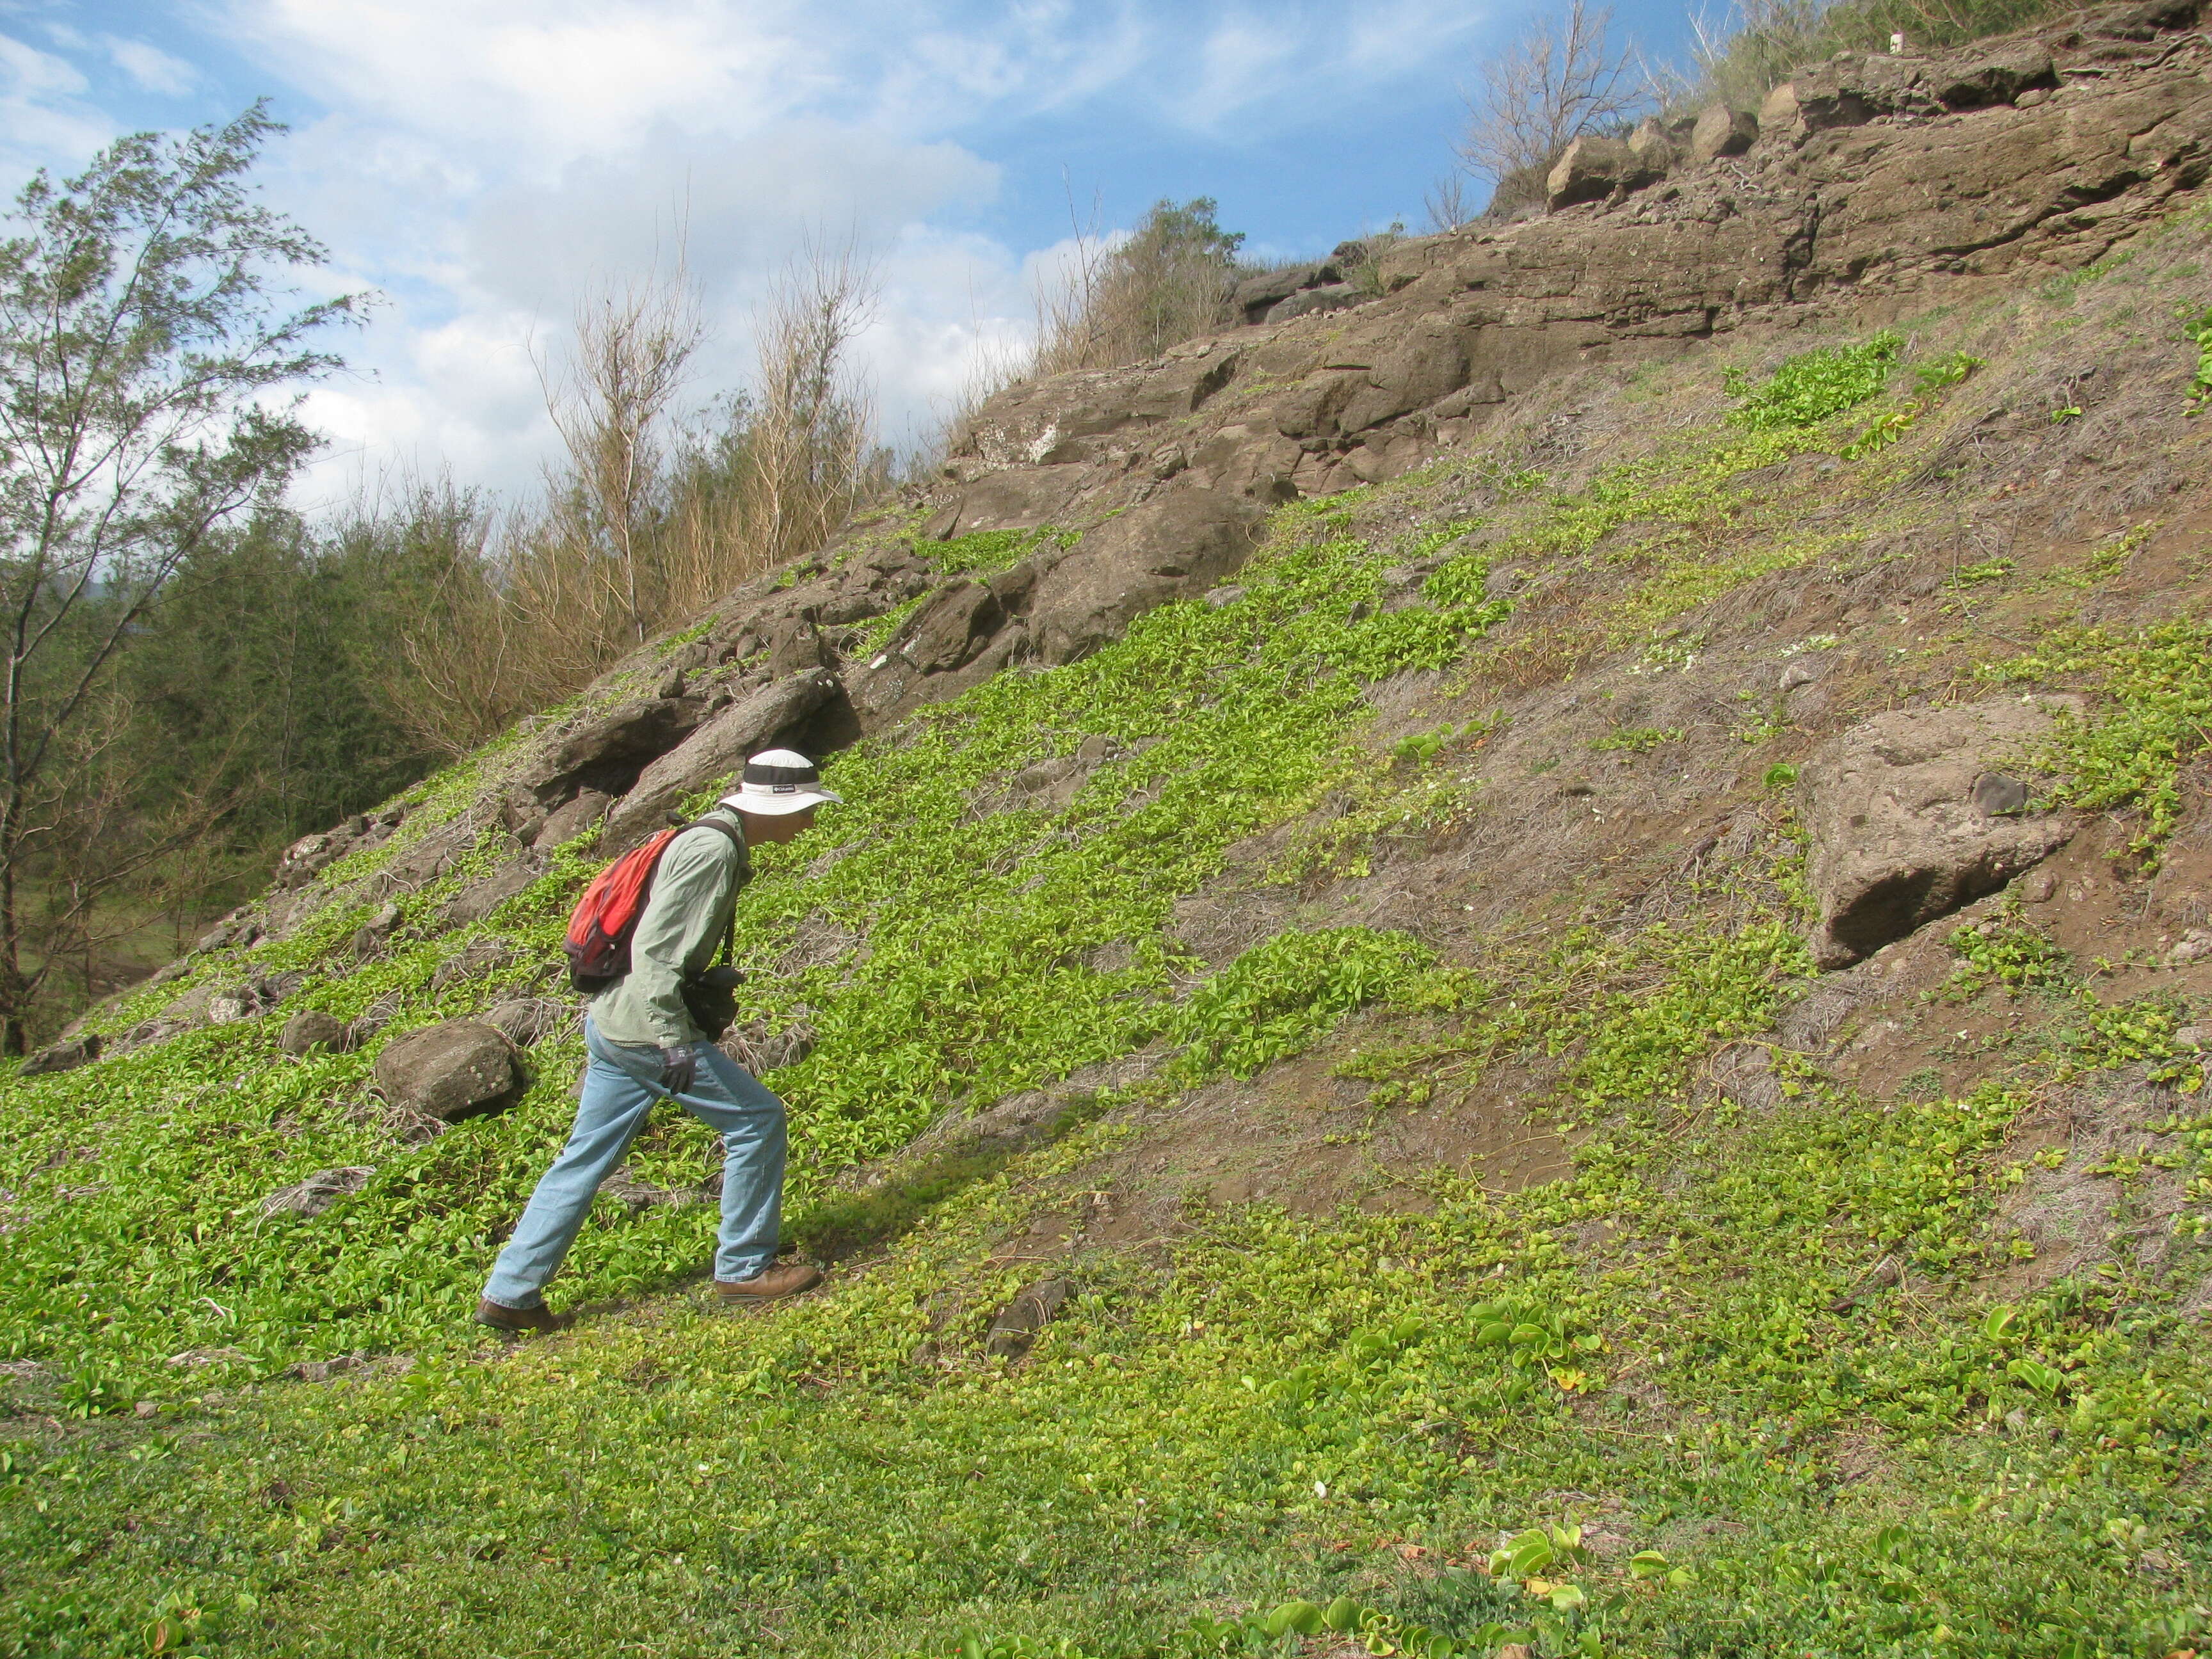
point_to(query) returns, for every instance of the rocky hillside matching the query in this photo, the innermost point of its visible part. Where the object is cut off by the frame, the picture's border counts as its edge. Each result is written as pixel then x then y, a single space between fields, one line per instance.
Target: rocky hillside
pixel 1520 956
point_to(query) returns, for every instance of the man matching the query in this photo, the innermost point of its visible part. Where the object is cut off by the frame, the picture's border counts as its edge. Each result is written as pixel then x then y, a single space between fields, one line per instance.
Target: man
pixel 644 1048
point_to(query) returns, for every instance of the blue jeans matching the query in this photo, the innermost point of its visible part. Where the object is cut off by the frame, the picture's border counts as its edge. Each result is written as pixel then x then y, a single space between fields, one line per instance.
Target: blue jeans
pixel 621 1084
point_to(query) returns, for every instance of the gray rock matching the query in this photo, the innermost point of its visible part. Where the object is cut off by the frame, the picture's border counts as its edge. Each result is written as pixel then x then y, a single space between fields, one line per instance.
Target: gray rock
pixel 1971 81
pixel 318 1192
pixel 1722 131
pixel 1042 775
pixel 1336 296
pixel 1255 295
pixel 385 923
pixel 62 1056
pixel 524 1020
pixel 715 752
pixel 1015 498
pixel 1998 796
pixel 480 898
pixel 1018 1323
pixel 951 629
pixel 311 1028
pixel 1429 362
pixel 1653 145
pixel 580 816
pixel 1899 834
pixel 1591 169
pixel 1223 597
pixel 456 1069
pixel 1177 543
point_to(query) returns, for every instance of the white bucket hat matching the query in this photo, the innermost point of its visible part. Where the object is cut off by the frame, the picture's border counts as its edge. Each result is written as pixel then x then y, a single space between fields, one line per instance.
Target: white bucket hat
pixel 777 781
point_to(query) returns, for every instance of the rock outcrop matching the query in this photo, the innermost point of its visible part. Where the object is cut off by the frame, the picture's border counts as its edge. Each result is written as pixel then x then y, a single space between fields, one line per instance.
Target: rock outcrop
pixel 1873 181
pixel 1911 817
pixel 715 750
pixel 456 1069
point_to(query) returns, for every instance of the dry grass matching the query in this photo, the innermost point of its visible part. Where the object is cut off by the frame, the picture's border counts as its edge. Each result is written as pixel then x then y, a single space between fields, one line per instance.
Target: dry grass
pixel 646 521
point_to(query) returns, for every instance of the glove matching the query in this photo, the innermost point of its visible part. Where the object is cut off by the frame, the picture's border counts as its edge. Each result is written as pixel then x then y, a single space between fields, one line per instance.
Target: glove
pixel 679 1069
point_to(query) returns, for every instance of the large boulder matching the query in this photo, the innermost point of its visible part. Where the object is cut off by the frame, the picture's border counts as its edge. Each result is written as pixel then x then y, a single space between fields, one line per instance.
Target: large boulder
pixel 1722 131
pixel 1255 296
pixel 1591 169
pixel 715 751
pixel 1175 545
pixel 951 629
pixel 1916 812
pixel 455 1069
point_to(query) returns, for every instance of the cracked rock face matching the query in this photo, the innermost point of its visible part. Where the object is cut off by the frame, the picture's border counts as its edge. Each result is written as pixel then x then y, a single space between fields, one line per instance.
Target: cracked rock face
pixel 1914 813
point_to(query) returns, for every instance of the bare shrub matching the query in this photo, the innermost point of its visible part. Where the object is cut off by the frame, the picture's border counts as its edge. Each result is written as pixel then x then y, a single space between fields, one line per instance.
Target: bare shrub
pixel 633 351
pixel 810 451
pixel 1564 76
pixel 1448 204
pixel 649 519
pixel 1168 282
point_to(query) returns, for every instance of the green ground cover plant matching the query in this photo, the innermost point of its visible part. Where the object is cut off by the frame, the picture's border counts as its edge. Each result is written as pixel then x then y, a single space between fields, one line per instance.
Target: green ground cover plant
pixel 975 984
pixel 2156 684
pixel 1208 1423
pixel 1758 1350
pixel 1813 385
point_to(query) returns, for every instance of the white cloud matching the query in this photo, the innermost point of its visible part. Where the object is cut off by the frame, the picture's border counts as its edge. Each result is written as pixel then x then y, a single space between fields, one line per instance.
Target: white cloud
pixel 150 67
pixel 484 163
pixel 44 119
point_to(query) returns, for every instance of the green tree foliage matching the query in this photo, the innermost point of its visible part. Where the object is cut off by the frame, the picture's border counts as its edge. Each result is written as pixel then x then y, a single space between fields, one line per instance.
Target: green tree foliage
pixel 255 685
pixel 141 355
pixel 1169 281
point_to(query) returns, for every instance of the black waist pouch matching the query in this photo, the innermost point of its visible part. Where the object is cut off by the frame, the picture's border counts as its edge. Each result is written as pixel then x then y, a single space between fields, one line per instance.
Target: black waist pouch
pixel 711 999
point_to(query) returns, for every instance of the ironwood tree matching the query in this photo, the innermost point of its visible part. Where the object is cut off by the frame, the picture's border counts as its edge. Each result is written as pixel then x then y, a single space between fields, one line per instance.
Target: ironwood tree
pixel 146 348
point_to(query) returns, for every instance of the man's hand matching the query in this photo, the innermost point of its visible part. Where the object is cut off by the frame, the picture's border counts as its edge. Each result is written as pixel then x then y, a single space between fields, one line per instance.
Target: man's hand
pixel 679 1069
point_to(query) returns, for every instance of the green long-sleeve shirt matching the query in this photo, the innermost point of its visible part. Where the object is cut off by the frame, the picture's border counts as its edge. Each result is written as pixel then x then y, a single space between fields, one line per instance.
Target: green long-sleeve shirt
pixel 687 917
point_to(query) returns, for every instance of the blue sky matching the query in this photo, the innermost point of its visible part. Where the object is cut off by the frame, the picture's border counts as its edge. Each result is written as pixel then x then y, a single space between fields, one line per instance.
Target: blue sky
pixel 480 165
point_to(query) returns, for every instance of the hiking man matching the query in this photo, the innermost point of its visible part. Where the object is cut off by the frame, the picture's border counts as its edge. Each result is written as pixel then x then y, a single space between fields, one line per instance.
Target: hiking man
pixel 644 1046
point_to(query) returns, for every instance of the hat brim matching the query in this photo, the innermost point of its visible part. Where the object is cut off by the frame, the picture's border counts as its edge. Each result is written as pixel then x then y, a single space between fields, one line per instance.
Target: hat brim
pixel 777 806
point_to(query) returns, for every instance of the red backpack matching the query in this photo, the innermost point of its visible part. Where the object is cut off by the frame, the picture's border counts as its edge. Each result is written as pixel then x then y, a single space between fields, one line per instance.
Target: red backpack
pixel 600 926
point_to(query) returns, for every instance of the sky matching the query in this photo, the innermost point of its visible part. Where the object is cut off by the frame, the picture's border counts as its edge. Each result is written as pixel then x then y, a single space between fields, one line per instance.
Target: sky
pixel 481 168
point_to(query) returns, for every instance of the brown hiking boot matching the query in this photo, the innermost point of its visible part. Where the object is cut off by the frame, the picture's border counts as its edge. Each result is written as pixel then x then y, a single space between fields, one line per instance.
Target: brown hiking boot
pixel 500 1318
pixel 788 1278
